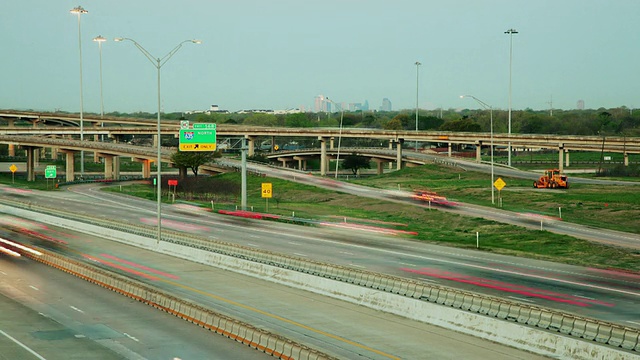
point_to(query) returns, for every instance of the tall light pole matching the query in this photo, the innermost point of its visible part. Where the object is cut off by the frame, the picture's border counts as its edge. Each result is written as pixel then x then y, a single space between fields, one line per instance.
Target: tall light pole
pixel 79 10
pixel 99 39
pixel 417 88
pixel 510 32
pixel 339 135
pixel 486 106
pixel 158 63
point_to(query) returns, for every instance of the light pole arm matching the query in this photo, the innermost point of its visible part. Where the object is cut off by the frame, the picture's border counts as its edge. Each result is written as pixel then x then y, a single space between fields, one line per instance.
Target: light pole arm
pixel 166 58
pixel 142 50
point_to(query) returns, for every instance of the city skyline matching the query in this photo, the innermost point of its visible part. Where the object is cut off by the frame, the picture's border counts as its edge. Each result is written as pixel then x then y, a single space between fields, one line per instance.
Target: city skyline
pixel 282 54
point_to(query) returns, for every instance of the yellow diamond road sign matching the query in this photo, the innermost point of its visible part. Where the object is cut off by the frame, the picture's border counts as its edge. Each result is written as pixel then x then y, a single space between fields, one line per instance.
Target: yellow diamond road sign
pixel 13 168
pixel 499 184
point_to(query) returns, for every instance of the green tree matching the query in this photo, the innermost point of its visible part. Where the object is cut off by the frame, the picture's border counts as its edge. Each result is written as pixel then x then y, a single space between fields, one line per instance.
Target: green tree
pixel 356 162
pixel 192 160
pixel 463 125
pixel 393 124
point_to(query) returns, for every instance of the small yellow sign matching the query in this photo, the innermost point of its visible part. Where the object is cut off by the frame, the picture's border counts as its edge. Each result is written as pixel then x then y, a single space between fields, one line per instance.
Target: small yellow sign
pixel 198 147
pixel 13 168
pixel 499 184
pixel 267 190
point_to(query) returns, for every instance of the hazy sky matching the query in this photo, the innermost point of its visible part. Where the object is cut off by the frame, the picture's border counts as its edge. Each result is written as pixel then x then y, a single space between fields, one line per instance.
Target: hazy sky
pixel 278 54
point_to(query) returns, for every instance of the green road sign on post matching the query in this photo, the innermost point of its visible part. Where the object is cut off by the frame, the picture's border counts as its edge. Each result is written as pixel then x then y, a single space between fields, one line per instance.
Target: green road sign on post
pixel 50 172
pixel 202 137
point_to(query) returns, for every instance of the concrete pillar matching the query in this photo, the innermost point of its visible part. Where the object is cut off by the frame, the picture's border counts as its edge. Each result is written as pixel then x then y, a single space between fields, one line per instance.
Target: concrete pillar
pixel 251 143
pixel 10 122
pixel 379 163
pixel 331 141
pixel 478 151
pixel 399 154
pixel 70 166
pixel 31 158
pixel 146 169
pixel 54 153
pixel 12 150
pixel 626 159
pixel 560 157
pixel 566 157
pixel 390 148
pixel 116 167
pixel 108 166
pixel 323 155
pixel 449 149
pixel 155 141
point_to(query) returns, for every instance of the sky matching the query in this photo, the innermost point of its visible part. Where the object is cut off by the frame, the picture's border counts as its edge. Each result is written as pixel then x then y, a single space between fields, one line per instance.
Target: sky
pixel 281 54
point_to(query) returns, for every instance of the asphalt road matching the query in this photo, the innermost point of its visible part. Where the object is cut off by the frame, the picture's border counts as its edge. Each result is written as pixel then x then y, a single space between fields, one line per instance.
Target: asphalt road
pixel 606 295
pixel 48 314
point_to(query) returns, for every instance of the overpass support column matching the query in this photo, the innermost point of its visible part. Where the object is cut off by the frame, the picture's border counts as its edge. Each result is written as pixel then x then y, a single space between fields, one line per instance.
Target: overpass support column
pixel 560 157
pixel 566 157
pixel 478 151
pixel 146 169
pixel 379 163
pixel 399 154
pixel 31 158
pixel 70 165
pixel 12 150
pixel 323 155
pixel 331 141
pixel 116 167
pixel 108 166
pixel 449 150
pixel 155 140
pixel 390 148
pixel 251 141
pixel 626 159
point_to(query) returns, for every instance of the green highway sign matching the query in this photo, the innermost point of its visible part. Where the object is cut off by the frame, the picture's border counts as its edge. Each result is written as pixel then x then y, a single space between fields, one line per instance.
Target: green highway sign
pixel 50 172
pixel 202 137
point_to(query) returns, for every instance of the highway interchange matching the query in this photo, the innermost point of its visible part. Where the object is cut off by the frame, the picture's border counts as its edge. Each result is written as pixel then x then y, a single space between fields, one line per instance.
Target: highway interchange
pixel 605 295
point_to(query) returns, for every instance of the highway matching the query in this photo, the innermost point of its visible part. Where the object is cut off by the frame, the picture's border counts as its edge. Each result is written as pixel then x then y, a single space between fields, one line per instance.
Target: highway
pixel 606 295
pixel 341 329
pixel 48 314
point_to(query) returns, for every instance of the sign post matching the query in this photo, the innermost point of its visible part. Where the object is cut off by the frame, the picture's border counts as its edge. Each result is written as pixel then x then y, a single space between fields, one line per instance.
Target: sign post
pixel 267 192
pixel 499 184
pixel 13 169
pixel 202 137
pixel 50 172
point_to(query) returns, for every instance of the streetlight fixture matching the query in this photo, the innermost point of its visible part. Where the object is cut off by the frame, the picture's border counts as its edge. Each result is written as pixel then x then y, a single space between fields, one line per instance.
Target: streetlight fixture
pixel 158 63
pixel 417 87
pixel 79 10
pixel 99 39
pixel 510 32
pixel 486 106
pixel 339 135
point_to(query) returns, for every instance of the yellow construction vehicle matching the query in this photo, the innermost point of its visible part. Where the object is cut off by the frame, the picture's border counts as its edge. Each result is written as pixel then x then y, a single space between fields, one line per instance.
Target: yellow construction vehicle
pixel 552 179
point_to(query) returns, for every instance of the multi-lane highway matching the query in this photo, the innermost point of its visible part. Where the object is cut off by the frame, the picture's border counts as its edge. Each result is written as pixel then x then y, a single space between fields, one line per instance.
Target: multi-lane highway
pixel 344 330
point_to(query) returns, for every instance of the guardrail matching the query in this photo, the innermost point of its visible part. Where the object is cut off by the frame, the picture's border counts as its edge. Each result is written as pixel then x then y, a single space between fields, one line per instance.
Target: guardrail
pixel 553 320
pixel 237 330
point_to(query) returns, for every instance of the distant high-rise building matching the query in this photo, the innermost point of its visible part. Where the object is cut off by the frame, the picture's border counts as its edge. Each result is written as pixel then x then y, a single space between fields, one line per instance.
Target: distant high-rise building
pixel 320 104
pixel 580 105
pixel 386 105
pixel 365 107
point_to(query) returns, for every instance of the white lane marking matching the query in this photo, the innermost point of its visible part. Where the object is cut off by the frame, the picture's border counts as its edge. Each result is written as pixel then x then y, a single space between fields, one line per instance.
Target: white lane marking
pixel 76 309
pixel 303 255
pixel 3 273
pixel 356 265
pixel 254 236
pixel 428 280
pixel 346 253
pixel 131 337
pixel 293 243
pixel 408 264
pixel 254 245
pixel 584 297
pixel 521 299
pixel 34 288
pixel 22 345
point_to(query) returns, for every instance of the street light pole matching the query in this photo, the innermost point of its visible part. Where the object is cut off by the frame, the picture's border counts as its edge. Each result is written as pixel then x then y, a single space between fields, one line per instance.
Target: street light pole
pixel 158 63
pixel 417 87
pixel 99 39
pixel 79 10
pixel 339 136
pixel 510 32
pixel 486 106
